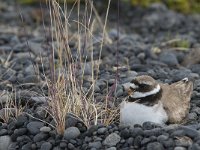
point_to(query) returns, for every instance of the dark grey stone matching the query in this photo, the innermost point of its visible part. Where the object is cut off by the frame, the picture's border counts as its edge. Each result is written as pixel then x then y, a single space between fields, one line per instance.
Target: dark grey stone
pixel 102 130
pixel 31 79
pixel 168 58
pixel 155 145
pixel 145 141
pixel 3 132
pixel 179 148
pixel 21 120
pixel 46 146
pixel 125 133
pixel 40 137
pixel 112 139
pixel 190 132
pixel 5 141
pixel 71 146
pixel 71 133
pixel 136 131
pixel 96 145
pixel 34 127
pixel 45 129
pixel 162 138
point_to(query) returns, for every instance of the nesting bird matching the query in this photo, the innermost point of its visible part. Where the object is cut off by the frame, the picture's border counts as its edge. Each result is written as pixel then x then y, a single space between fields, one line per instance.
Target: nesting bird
pixel 156 102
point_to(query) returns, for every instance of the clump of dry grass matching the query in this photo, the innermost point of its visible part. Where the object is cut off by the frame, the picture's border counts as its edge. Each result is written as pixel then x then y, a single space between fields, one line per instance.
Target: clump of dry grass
pixel 66 92
pixel 10 108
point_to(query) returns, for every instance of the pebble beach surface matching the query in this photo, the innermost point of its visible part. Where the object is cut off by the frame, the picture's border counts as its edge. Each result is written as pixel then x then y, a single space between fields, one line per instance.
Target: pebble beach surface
pixel 146 46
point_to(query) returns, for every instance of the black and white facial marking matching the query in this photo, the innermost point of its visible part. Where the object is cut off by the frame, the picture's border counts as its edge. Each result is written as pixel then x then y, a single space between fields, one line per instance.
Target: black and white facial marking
pixel 145 90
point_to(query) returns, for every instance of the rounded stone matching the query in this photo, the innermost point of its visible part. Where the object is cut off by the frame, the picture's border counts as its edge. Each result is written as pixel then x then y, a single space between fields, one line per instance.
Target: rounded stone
pixel 71 133
pixel 155 145
pixel 112 139
pixel 101 130
pixel 4 142
pixel 46 146
pixel 45 129
pixel 34 127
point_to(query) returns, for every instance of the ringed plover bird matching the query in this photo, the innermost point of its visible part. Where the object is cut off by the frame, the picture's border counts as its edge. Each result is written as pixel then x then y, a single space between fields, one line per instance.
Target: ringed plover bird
pixel 152 101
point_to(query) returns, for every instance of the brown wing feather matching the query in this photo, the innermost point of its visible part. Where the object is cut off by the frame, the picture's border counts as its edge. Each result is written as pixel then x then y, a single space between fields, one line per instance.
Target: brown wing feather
pixel 176 100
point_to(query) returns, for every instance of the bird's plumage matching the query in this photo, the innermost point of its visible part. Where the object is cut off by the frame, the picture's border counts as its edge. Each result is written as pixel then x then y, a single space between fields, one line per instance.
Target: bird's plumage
pixel 152 101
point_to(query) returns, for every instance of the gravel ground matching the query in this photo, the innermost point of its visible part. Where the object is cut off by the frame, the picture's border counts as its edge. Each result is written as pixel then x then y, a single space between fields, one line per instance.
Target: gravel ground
pixel 145 47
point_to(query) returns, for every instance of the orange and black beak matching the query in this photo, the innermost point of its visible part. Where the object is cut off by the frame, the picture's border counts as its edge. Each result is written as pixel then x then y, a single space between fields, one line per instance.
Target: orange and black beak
pixel 130 91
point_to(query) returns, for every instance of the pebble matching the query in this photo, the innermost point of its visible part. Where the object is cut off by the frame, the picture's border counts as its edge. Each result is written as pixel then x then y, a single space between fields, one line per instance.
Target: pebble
pixel 45 129
pixel 101 130
pixel 155 145
pixel 111 148
pixel 5 141
pixel 180 148
pixel 71 146
pixel 112 139
pixel 34 127
pixel 46 146
pixel 168 58
pixel 3 132
pixel 40 137
pixel 71 133
pixel 96 145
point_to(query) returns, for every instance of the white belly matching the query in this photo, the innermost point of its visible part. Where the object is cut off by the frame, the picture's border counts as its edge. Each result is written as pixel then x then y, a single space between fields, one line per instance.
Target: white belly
pixel 134 113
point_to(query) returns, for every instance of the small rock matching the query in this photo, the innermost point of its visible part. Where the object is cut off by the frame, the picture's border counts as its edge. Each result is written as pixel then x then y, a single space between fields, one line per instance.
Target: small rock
pixel 161 138
pixel 194 147
pixel 96 145
pixel 112 148
pixel 20 131
pixel 34 127
pixel 169 59
pixel 71 133
pixel 21 120
pixel 36 48
pixel 27 146
pixel 31 79
pixel 136 131
pixel 145 141
pixel 180 148
pixel 91 130
pixel 155 145
pixel 63 144
pixel 30 70
pixel 125 133
pixel 101 130
pixel 71 146
pixel 45 129
pixel 3 132
pixel 5 97
pixel 40 137
pixel 46 146
pixel 192 116
pixel 190 132
pixel 5 141
pixel 112 139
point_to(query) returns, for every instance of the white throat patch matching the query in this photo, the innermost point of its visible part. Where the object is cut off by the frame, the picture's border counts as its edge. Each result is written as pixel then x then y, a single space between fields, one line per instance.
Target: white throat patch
pixel 144 94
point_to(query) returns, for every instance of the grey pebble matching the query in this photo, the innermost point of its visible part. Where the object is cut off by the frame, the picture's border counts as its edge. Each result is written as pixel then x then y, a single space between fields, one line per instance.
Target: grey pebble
pixel 46 146
pixel 34 127
pixel 5 141
pixel 45 129
pixel 112 139
pixel 71 133
pixel 96 145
